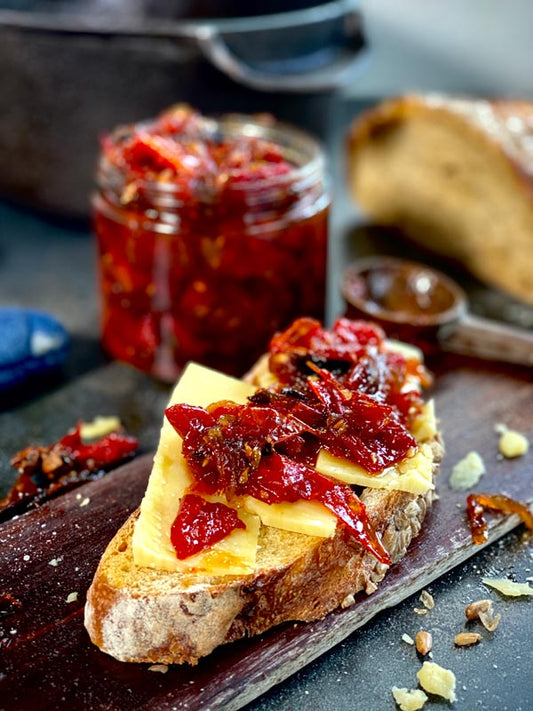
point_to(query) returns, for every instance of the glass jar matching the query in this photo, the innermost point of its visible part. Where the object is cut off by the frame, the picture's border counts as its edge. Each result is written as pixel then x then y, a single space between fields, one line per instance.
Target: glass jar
pixel 209 270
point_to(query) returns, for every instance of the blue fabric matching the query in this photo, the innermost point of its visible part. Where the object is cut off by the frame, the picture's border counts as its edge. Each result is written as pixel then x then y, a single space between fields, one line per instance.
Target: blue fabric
pixel 31 343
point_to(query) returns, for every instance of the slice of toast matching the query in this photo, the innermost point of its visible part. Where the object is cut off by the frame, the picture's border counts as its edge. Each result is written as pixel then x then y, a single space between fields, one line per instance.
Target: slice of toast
pixel 142 614
pixel 454 175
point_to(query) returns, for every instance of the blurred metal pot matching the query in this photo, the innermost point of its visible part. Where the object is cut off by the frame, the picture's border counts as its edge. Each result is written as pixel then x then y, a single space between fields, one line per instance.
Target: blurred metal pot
pixel 73 70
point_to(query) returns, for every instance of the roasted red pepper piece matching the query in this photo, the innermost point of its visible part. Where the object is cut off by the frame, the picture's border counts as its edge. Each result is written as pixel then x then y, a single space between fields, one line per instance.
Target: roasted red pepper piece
pixel 48 470
pixel 230 449
pixel 200 524
pixel 478 503
pixel 280 479
pixel 224 444
pixel 358 427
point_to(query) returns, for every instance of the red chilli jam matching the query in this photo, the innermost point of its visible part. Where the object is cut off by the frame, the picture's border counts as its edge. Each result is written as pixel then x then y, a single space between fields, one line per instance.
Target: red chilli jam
pixel 212 236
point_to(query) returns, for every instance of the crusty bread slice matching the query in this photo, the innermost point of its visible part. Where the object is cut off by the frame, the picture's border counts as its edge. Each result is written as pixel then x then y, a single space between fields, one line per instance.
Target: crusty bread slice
pixel 145 615
pixel 139 614
pixel 455 175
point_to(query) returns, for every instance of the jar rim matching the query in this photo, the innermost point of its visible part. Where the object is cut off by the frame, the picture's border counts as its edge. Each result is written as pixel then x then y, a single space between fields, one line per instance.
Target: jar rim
pixel 299 147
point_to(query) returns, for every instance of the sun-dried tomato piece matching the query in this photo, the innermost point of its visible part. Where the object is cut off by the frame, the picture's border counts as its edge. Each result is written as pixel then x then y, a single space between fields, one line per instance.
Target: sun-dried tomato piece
pixel 48 470
pixel 279 479
pixel 200 524
pixel 355 352
pixel 224 444
pixel 359 428
pixel 477 504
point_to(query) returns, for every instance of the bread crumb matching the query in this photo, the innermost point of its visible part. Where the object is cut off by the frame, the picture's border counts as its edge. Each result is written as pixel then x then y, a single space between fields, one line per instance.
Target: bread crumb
pixel 348 601
pixel 508 587
pixel 85 501
pixel 409 700
pixel 72 597
pixel 407 639
pixel 467 472
pixel 161 668
pixel 53 562
pixel 437 680
pixel 512 443
pixel 427 600
pixel 370 587
pixel 420 610
pixel 26 557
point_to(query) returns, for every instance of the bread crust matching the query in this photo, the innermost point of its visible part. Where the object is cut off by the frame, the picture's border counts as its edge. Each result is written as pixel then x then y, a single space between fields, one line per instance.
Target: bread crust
pixel 448 206
pixel 144 615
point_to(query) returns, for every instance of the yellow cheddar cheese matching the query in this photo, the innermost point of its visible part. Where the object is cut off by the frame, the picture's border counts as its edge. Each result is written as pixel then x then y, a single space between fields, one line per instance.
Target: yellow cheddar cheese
pixel 170 477
pixel 236 554
pixel 309 517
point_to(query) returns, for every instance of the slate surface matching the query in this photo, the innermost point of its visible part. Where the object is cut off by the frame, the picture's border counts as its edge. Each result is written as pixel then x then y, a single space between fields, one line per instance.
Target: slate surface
pixel 36 269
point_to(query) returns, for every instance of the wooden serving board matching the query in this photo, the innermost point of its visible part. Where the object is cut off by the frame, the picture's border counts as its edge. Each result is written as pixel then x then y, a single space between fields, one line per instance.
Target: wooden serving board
pixel 47 660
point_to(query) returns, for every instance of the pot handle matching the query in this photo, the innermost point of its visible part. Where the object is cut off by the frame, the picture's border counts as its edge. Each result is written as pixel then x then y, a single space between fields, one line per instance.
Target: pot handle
pixel 344 64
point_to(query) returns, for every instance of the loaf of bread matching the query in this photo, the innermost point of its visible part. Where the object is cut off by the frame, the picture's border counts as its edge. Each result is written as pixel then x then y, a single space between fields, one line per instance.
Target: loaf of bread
pixel 144 613
pixel 456 176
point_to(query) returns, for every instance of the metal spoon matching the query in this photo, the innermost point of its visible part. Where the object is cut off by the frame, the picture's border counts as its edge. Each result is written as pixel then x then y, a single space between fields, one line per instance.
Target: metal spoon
pixel 421 305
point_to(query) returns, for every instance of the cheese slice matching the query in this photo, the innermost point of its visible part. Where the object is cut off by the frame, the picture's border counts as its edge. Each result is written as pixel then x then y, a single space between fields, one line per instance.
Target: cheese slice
pixel 170 477
pixel 309 517
pixel 236 554
pixel 414 474
pixel 425 423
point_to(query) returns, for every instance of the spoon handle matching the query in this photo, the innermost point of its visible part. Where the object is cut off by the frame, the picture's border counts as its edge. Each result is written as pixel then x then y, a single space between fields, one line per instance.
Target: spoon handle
pixel 481 337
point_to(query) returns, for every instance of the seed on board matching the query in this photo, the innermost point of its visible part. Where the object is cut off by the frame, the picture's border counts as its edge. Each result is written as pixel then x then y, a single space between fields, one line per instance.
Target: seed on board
pixel 474 608
pixel 423 642
pixel 465 639
pixel 484 611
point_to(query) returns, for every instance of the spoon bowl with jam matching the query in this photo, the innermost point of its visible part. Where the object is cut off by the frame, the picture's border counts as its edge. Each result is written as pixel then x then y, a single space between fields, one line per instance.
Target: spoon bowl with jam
pixel 421 305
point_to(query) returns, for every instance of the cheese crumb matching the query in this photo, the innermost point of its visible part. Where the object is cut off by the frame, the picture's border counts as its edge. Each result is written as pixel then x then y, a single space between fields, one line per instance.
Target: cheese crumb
pixel 99 427
pixel 72 597
pixel 427 600
pixel 409 700
pixel 437 680
pixel 53 562
pixel 26 557
pixel 512 443
pixel 85 501
pixel 508 587
pixel 407 639
pixel 161 668
pixel 420 610
pixel 467 472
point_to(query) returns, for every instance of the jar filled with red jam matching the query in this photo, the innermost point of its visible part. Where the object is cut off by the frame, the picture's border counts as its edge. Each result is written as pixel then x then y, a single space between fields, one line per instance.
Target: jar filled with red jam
pixel 212 236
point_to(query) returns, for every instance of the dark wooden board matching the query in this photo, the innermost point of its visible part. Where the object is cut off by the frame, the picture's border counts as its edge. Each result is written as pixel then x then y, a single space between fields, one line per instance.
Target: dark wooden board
pixel 47 660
